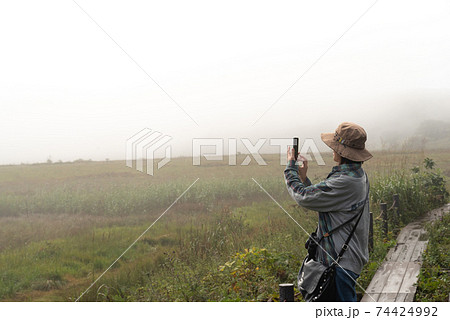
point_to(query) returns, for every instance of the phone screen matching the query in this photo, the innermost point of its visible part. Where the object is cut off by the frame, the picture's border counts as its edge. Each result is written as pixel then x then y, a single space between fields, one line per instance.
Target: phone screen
pixel 296 147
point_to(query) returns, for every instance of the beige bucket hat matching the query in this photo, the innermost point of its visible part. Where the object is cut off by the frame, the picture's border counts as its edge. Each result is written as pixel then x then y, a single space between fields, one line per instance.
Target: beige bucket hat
pixel 349 141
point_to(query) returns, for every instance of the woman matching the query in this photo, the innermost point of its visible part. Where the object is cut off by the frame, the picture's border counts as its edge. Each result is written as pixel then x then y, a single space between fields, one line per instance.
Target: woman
pixel 338 198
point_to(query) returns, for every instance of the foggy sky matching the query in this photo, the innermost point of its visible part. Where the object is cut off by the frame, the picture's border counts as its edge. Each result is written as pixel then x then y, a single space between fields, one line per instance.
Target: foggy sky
pixel 67 91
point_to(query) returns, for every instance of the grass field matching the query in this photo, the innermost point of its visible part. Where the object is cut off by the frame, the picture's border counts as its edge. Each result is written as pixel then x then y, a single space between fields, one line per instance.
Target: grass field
pixel 63 224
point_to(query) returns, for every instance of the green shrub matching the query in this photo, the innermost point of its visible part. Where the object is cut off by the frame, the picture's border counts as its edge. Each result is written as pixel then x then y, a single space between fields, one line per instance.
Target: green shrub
pixel 254 274
pixel 420 190
pixel 434 280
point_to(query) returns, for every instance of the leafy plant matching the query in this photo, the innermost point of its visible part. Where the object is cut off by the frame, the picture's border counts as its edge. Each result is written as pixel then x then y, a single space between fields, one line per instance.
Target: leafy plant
pixel 429 163
pixel 421 189
pixel 434 279
pixel 255 274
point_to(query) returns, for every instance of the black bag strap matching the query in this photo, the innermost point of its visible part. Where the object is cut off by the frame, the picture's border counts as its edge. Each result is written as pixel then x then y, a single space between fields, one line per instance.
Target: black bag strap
pixel 329 233
pixel 345 245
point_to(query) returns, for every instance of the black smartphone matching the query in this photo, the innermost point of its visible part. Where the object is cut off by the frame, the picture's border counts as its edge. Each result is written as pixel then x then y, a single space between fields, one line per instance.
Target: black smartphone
pixel 296 147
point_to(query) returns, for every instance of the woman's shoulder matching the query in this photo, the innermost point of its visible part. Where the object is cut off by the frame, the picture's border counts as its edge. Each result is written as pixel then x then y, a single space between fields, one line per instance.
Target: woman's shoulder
pixel 347 179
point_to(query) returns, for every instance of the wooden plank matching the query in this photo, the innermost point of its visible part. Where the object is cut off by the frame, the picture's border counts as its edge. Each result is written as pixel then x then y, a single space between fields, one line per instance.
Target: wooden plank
pixel 404 234
pixel 418 251
pixel 406 255
pixel 410 279
pixel 397 250
pixel 410 297
pixel 395 279
pixel 387 297
pixel 414 234
pixel 370 297
pixel 407 250
pixel 401 297
pixel 389 254
pixel 380 278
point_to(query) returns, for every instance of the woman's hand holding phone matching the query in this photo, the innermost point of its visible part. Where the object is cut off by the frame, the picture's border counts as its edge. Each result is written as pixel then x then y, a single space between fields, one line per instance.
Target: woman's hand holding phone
pixel 303 168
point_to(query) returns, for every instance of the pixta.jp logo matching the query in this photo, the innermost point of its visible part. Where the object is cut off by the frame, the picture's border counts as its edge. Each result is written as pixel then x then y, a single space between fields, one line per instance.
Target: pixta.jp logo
pixel 142 146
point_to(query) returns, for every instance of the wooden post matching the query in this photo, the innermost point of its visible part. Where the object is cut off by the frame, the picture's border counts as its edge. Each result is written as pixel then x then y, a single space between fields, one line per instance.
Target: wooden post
pixel 371 233
pixel 286 292
pixel 383 208
pixel 396 206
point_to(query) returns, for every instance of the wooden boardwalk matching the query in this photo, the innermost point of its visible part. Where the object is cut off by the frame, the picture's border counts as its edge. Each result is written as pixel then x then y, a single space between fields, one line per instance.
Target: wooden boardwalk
pixel 396 279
